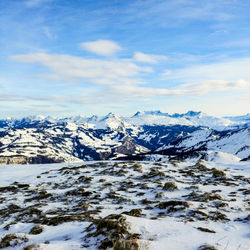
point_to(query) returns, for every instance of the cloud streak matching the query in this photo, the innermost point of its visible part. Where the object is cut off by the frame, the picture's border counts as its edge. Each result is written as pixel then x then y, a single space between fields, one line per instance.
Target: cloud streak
pixel 188 89
pixel 118 93
pixel 36 3
pixel 101 47
pixel 230 70
pixel 147 58
pixel 72 69
pixel 124 79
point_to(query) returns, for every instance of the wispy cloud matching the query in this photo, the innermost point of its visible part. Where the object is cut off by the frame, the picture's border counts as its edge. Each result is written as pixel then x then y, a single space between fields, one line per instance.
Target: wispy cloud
pixel 71 68
pixel 36 3
pixel 132 50
pixel 48 33
pixel 148 58
pixel 166 72
pixel 118 93
pixel 115 80
pixel 101 47
pixel 176 12
pixel 187 89
pixel 230 70
pixel 237 43
pixel 202 88
pixel 124 79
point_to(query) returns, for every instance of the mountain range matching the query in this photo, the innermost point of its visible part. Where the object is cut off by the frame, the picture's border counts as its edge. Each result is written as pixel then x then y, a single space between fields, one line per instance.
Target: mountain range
pixel 40 139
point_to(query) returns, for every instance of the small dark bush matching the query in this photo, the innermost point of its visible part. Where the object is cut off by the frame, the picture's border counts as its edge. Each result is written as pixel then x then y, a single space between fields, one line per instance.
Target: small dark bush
pixel 218 173
pixel 170 186
pixel 203 229
pixel 36 229
pixel 207 247
pixel 173 205
pixel 134 212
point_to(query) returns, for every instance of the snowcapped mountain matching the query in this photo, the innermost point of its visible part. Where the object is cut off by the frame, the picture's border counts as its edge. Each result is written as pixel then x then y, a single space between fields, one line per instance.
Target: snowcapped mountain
pixel 191 118
pixel 113 121
pixel 65 142
pixel 39 139
pixel 232 142
pixel 241 119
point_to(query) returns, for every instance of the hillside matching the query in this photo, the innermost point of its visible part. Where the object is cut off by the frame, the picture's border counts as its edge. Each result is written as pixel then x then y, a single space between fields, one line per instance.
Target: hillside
pixel 39 139
pixel 126 205
pixel 233 142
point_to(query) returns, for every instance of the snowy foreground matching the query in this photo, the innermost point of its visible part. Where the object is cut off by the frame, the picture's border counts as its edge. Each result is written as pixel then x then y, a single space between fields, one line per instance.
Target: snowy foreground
pixel 126 205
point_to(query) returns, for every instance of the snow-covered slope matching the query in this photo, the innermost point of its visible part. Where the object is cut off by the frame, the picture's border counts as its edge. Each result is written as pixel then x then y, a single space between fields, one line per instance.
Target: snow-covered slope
pixel 237 143
pixel 137 205
pixel 65 143
pixel 113 121
pixel 240 119
pixel 37 139
pixel 233 142
pixel 191 118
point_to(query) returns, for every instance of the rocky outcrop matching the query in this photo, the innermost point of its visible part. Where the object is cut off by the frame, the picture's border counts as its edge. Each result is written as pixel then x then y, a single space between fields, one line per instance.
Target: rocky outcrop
pixel 128 147
pixel 20 159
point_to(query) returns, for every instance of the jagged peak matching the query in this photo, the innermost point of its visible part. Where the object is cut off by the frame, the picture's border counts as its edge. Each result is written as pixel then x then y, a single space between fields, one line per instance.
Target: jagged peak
pixel 151 112
pixel 92 118
pixel 36 118
pixel 175 115
pixel 193 113
pixel 111 115
pixel 188 113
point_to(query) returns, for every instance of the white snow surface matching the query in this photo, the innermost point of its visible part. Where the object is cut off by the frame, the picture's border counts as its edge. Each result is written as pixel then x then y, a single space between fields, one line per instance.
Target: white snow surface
pixel 235 142
pixel 191 118
pixel 158 228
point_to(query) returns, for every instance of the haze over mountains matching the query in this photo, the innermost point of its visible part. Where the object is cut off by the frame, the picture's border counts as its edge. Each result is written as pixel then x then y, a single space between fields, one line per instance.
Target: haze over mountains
pixel 39 139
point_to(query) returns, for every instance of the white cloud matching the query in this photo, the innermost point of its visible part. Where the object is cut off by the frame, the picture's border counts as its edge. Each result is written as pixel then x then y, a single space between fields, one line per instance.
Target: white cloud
pixel 120 93
pixel 166 72
pixel 230 70
pixel 237 43
pixel 202 88
pixel 191 89
pixel 132 91
pixel 47 32
pixel 123 79
pixel 70 69
pixel 101 47
pixel 147 58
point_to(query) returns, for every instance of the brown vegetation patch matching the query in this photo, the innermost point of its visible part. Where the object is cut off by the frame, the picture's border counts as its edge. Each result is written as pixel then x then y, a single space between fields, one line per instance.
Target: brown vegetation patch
pixel 36 229
pixel 170 186
pixel 216 173
pixel 173 205
pixel 11 240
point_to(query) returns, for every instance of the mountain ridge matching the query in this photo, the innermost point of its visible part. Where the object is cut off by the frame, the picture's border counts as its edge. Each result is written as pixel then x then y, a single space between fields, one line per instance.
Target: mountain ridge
pixel 196 118
pixel 37 138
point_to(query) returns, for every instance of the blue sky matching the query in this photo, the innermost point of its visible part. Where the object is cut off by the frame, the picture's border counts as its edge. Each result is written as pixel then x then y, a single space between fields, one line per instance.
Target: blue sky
pixel 64 58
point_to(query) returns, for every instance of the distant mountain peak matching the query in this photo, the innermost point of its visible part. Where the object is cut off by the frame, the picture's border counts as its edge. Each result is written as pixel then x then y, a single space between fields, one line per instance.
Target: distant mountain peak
pixel 193 113
pixel 158 112
pixel 111 136
pixel 189 113
pixel 93 118
pixel 140 118
pixel 111 115
pixel 151 112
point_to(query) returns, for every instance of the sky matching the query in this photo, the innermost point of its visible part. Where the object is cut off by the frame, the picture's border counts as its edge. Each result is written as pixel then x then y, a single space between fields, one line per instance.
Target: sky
pixel 65 58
